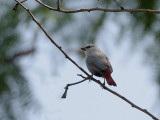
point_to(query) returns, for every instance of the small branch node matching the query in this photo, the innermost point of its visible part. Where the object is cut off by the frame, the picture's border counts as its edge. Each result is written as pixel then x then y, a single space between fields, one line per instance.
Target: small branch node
pixel 16 6
pixel 66 87
pixel 66 56
pixel 27 9
pixel 122 8
pixel 146 110
pixel 60 47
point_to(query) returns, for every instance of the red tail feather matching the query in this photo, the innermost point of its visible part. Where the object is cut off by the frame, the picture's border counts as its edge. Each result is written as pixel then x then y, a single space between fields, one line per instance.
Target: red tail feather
pixel 107 76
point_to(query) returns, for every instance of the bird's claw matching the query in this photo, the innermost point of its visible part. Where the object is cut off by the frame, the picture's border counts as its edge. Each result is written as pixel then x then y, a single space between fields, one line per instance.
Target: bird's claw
pixel 103 84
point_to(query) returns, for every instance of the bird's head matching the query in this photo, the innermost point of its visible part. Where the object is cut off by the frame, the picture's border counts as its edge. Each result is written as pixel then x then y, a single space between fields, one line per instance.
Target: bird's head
pixel 90 49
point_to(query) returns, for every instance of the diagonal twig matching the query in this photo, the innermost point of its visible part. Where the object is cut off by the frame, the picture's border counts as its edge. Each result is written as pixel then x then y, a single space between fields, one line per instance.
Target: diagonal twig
pixel 98 9
pixel 88 76
pixel 51 40
pixel 67 86
pixel 122 8
pixel 125 99
pixel 58 7
pixel 16 6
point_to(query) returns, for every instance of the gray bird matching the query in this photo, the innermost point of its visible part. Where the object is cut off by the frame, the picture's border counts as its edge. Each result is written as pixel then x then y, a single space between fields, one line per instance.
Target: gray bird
pixel 98 63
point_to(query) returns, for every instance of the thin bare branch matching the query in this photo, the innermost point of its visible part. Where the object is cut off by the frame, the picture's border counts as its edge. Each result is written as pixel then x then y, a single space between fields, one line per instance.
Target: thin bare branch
pixel 16 6
pixel 81 75
pixel 122 8
pixel 88 76
pixel 67 86
pixel 22 53
pixel 58 8
pixel 52 41
pixel 125 99
pixel 99 9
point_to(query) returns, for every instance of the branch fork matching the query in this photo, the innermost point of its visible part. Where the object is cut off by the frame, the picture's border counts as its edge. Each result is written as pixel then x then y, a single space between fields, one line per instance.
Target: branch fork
pixel 68 85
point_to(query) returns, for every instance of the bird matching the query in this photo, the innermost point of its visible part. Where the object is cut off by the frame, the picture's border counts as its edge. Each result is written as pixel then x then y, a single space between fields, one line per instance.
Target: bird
pixel 98 63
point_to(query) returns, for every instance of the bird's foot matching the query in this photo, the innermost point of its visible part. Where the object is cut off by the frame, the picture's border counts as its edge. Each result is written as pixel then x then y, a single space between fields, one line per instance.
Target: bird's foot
pixel 103 84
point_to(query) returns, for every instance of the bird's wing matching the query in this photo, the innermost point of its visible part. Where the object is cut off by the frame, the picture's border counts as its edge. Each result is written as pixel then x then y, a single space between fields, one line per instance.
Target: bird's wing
pixel 99 63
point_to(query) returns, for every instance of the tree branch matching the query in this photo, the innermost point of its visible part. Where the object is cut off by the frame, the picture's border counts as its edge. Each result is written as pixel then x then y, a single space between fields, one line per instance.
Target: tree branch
pixel 98 9
pixel 22 53
pixel 68 85
pixel 125 99
pixel 58 7
pixel 88 76
pixel 16 6
pixel 51 40
pixel 113 92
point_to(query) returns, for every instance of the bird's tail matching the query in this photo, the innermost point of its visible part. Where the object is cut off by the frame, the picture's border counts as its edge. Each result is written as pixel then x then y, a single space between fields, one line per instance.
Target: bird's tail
pixel 109 79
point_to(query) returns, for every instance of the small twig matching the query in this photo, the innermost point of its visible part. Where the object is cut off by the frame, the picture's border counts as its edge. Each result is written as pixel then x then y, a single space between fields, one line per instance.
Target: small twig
pixel 81 75
pixel 88 76
pixel 67 86
pixel 22 53
pixel 58 8
pixel 99 9
pixel 122 8
pixel 16 6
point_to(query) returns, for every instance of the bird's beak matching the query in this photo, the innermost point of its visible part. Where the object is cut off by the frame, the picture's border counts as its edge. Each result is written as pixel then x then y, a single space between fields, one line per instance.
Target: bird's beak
pixel 83 49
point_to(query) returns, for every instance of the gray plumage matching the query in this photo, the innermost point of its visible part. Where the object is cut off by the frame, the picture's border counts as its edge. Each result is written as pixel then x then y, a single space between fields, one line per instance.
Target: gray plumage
pixel 97 62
